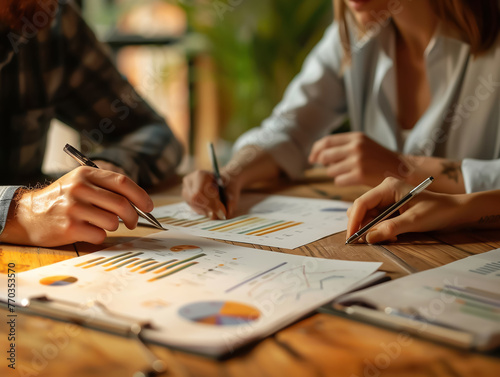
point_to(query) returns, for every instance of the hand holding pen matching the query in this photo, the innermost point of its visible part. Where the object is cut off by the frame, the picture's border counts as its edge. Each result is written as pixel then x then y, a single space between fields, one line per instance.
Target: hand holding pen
pixel 80 206
pixel 427 211
pixel 85 161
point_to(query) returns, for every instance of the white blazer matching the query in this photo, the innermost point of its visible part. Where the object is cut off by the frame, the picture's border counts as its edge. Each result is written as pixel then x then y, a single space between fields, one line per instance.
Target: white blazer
pixel 461 123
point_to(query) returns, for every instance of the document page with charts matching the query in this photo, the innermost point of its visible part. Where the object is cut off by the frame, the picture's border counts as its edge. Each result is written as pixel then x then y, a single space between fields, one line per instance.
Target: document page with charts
pixel 195 294
pixel 462 295
pixel 269 220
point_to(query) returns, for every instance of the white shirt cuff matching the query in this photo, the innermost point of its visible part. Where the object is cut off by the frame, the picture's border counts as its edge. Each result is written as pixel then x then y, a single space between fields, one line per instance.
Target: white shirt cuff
pixel 481 175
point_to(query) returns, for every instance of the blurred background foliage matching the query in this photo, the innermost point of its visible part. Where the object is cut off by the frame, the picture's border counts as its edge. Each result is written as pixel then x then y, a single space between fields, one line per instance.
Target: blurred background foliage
pixel 258 47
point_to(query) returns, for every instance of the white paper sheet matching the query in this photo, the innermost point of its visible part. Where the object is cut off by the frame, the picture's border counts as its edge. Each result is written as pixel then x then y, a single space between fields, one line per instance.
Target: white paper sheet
pixel 198 294
pixel 271 220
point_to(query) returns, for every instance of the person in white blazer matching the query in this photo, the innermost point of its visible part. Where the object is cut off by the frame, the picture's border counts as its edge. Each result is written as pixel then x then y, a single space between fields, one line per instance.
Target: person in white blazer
pixel 418 81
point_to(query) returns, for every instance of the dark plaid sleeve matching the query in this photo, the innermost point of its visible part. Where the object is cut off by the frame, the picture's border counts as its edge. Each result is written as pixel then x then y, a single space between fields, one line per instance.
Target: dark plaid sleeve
pixel 6 195
pixel 116 124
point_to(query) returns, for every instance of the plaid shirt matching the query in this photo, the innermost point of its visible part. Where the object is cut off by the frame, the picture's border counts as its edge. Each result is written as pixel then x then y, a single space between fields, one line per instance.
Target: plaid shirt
pixel 64 72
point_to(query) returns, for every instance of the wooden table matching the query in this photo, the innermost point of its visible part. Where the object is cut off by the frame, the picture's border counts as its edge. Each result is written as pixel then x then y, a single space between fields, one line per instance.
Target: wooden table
pixel 320 345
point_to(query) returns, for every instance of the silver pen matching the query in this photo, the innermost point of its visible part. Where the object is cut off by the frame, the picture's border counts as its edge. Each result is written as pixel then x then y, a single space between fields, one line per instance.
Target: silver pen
pixel 389 211
pixel 85 161
pixel 218 178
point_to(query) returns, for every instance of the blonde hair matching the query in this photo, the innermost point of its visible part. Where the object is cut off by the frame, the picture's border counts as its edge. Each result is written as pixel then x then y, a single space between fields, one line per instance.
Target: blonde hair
pixel 477 21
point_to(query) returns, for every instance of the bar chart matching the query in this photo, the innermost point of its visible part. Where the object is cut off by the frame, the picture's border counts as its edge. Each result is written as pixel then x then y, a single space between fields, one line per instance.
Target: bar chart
pixel 274 220
pixel 246 225
pixel 134 263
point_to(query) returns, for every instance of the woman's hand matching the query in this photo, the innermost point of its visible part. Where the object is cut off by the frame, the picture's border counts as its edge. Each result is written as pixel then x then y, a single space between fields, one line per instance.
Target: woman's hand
pixel 200 191
pixel 249 165
pixel 352 158
pixel 425 212
pixel 79 206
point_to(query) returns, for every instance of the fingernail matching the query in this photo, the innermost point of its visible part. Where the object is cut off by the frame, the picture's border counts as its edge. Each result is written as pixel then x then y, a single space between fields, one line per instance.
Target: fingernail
pixel 151 204
pixel 210 214
pixel 221 215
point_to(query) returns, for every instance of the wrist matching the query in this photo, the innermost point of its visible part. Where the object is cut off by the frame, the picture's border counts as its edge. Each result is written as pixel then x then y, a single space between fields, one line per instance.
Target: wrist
pixel 447 174
pixel 462 208
pixel 240 170
pixel 233 175
pixel 481 210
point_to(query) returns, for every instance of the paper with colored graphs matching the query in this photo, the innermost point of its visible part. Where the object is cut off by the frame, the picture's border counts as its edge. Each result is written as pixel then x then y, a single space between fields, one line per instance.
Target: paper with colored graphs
pixel 271 220
pixel 462 295
pixel 197 294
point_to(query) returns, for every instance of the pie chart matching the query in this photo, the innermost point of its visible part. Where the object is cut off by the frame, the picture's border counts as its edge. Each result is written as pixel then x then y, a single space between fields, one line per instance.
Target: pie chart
pixel 184 247
pixel 219 313
pixel 60 280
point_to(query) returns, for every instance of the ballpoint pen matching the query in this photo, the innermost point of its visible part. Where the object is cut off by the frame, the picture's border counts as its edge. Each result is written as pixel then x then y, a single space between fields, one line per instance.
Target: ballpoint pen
pixel 389 211
pixel 218 179
pixel 85 161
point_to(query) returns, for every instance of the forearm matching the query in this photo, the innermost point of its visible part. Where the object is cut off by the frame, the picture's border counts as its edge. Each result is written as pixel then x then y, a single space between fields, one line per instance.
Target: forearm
pixel 115 123
pixel 448 177
pixel 249 165
pixel 148 155
pixel 480 210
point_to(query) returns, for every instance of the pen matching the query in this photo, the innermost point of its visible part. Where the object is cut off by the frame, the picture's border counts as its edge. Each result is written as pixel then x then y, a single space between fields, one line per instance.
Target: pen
pixel 218 179
pixel 389 211
pixel 85 161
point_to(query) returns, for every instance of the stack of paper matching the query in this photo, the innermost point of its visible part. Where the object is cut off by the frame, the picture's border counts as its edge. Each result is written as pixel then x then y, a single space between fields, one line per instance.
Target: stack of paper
pixel 195 294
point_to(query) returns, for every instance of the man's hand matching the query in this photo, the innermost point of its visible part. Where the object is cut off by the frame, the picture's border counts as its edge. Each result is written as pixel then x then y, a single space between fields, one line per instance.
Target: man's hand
pixel 79 206
pixel 249 165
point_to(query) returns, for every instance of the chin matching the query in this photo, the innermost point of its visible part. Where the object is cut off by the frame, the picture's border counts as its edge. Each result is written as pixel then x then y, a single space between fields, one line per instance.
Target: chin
pixel 367 11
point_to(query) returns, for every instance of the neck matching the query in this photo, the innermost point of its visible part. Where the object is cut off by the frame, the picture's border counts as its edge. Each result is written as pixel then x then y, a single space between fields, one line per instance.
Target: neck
pixel 416 25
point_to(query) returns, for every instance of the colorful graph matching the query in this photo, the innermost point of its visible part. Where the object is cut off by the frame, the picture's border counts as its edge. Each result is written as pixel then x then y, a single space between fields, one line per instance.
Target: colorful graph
pixel 219 313
pixel 58 281
pixel 183 247
pixel 295 281
pixel 473 301
pixel 135 263
pixel 488 268
pixel 246 225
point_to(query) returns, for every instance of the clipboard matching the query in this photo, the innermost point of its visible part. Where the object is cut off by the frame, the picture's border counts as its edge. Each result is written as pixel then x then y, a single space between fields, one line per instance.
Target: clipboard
pixel 464 291
pixel 412 326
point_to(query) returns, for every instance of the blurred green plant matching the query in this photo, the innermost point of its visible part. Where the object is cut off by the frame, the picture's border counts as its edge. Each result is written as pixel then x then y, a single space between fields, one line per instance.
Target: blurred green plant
pixel 258 47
